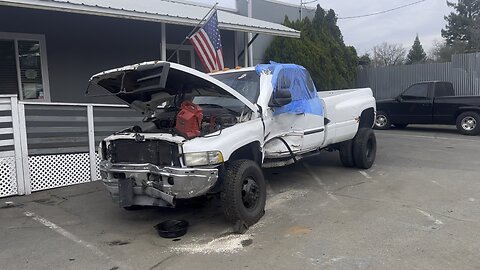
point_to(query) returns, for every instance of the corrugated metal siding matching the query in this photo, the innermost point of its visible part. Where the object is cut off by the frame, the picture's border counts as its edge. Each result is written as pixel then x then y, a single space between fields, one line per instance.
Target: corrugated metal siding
pixel 386 82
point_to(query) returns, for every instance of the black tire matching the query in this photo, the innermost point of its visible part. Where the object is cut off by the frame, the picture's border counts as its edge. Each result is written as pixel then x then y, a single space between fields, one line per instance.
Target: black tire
pixel 346 154
pixel 364 148
pixel 134 207
pixel 382 121
pixel 400 126
pixel 244 192
pixel 468 123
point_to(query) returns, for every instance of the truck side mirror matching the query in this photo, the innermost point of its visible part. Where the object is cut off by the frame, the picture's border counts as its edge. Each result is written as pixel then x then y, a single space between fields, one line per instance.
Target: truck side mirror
pixel 282 98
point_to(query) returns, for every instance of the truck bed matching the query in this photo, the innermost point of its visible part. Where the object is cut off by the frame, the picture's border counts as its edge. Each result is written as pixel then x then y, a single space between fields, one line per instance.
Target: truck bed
pixel 343 109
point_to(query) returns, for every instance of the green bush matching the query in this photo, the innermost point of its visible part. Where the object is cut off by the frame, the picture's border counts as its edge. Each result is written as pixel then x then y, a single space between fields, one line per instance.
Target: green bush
pixel 320 49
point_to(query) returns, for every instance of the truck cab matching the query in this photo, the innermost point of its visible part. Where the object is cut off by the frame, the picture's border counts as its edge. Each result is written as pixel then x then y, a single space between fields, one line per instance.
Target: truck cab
pixel 415 104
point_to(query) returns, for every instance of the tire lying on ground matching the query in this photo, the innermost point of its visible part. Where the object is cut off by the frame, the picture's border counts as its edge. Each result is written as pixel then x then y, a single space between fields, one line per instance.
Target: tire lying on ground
pixel 382 121
pixel 134 207
pixel 244 193
pixel 364 148
pixel 468 123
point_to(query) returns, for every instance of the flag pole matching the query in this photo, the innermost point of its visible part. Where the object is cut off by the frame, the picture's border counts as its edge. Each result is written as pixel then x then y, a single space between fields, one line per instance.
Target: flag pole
pixel 191 32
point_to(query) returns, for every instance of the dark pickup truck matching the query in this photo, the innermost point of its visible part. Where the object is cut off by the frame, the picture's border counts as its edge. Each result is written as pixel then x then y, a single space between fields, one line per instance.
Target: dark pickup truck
pixel 430 103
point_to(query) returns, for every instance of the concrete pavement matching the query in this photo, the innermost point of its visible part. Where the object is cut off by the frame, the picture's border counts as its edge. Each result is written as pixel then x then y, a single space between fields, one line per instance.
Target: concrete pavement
pixel 417 208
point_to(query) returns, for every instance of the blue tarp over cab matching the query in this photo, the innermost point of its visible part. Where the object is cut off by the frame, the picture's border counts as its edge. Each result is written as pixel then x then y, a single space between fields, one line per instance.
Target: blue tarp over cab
pixel 297 80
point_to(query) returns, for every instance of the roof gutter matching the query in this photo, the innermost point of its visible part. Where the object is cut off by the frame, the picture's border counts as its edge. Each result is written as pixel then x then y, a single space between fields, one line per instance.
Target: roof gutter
pixel 125 14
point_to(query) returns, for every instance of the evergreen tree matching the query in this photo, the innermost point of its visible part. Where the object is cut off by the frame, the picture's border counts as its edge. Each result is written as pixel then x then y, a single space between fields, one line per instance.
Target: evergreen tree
pixel 463 25
pixel 416 53
pixel 365 60
pixel 320 49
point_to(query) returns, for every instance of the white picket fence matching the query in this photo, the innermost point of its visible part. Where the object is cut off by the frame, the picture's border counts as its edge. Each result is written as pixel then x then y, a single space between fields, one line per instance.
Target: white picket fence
pixel 49 145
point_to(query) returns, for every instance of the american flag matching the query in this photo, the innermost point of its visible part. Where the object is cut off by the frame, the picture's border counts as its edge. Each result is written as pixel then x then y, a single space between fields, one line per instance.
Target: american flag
pixel 208 45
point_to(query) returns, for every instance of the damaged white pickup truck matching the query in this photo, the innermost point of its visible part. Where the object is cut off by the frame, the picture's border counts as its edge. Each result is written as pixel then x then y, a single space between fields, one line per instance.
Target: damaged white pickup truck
pixel 211 134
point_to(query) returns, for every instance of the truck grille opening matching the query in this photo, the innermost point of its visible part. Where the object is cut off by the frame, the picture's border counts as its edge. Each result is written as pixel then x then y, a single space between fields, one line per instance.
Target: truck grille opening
pixel 155 152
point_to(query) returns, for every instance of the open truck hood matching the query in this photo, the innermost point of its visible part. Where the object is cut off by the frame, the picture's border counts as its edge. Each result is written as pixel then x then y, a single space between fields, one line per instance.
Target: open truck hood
pixel 146 85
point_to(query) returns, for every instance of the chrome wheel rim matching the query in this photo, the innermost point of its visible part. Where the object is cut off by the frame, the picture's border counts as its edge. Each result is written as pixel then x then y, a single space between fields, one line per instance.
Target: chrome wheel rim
pixel 469 123
pixel 381 120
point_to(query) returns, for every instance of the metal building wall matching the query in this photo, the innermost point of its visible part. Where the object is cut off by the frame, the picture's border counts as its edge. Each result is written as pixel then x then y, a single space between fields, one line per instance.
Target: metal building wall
pixel 463 71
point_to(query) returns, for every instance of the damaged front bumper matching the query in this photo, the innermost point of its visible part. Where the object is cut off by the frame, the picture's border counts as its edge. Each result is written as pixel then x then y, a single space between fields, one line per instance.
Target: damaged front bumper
pixel 148 184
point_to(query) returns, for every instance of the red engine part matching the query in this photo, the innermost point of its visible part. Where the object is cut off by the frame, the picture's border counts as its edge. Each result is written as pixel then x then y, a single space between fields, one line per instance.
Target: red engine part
pixel 189 120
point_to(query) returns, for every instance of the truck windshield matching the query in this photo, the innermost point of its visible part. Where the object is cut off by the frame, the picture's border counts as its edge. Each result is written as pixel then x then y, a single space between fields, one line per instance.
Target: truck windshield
pixel 245 83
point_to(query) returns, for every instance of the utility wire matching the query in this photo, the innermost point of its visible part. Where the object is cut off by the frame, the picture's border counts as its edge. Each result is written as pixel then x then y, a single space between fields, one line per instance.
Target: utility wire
pixel 381 12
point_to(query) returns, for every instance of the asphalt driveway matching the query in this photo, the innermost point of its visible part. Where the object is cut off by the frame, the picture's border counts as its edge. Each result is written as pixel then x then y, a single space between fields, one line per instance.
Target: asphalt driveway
pixel 417 208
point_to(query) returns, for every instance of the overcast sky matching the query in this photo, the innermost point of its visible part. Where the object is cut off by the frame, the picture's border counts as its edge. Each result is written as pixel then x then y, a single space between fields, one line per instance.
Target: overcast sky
pixel 398 26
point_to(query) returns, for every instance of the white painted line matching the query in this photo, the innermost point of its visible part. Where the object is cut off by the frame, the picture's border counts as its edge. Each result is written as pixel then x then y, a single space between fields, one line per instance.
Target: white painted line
pixel 426 137
pixel 319 181
pixel 333 197
pixel 364 173
pixel 313 175
pixel 430 217
pixel 436 183
pixel 67 235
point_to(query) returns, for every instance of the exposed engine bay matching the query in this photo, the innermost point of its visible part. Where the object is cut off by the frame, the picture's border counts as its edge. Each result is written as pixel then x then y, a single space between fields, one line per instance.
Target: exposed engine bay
pixel 189 120
pixel 180 102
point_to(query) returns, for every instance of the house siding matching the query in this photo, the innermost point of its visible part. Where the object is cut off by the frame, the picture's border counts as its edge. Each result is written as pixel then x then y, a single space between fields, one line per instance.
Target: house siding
pixel 272 11
pixel 79 46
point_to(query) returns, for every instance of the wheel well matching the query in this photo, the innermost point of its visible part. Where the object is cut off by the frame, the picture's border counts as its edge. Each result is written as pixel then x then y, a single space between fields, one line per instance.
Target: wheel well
pixel 460 111
pixel 367 118
pixel 251 151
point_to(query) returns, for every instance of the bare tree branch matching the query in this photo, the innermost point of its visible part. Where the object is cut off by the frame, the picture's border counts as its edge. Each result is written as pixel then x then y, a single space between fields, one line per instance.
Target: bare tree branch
pixel 386 54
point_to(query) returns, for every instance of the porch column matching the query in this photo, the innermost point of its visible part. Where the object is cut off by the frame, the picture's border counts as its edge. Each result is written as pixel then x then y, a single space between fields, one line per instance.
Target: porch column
pixel 250 48
pixel 235 49
pixel 163 46
pixel 245 50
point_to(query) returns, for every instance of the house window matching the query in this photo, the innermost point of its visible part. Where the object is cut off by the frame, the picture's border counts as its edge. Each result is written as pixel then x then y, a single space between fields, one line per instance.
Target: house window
pixel 23 67
pixel 185 55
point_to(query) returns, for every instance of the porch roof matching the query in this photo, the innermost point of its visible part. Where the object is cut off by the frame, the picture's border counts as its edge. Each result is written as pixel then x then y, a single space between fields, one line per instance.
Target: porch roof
pixel 166 11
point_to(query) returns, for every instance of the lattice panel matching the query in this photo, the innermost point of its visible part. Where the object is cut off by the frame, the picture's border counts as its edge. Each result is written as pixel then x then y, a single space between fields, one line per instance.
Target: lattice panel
pixel 51 171
pixel 8 177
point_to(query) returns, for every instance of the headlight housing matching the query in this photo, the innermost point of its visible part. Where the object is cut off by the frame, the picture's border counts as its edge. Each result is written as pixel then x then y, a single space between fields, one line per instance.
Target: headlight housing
pixel 100 150
pixel 203 158
pixel 104 151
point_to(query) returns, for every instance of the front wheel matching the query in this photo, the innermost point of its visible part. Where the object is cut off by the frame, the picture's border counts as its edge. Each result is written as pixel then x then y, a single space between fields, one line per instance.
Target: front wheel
pixel 364 148
pixel 468 123
pixel 382 121
pixel 244 193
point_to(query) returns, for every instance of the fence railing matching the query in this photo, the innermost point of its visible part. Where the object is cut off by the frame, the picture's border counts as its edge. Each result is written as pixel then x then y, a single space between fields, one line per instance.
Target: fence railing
pixel 55 143
pixel 11 165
